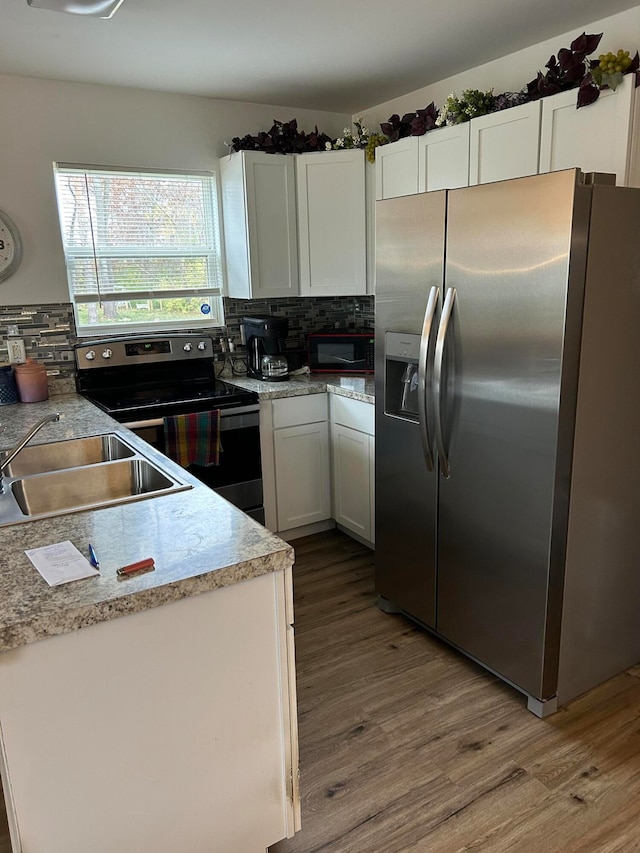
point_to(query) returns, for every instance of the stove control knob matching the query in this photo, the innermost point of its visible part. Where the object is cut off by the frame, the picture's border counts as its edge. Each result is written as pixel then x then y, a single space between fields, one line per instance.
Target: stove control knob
pixel 187 347
pixel 202 345
pixel 90 355
pixel 107 353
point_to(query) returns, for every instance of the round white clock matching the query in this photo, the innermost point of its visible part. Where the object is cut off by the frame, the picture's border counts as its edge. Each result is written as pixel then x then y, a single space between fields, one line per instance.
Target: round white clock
pixel 10 247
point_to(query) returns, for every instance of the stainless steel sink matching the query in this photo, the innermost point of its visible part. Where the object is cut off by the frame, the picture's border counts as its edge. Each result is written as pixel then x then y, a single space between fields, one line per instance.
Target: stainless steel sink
pixel 91 486
pixel 81 474
pixel 40 458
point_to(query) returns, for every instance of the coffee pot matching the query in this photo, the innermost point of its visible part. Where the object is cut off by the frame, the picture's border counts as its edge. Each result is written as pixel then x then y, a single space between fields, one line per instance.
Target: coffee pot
pixel 264 337
pixel 274 367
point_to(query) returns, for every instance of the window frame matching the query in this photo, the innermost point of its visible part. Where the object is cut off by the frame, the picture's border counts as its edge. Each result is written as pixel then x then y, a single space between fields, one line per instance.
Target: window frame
pixel 213 294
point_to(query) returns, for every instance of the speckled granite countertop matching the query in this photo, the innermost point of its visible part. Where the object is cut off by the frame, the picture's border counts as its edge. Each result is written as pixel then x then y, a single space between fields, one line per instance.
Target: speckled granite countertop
pixel 198 540
pixel 355 387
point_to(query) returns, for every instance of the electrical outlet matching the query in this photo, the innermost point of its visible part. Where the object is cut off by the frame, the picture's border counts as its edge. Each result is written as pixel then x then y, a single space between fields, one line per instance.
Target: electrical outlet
pixel 17 354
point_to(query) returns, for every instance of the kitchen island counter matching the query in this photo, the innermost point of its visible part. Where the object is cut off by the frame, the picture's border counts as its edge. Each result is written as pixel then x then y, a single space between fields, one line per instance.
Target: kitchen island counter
pixel 198 540
pixel 156 712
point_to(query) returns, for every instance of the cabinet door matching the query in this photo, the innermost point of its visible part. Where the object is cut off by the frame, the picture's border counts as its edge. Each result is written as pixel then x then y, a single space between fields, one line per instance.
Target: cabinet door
pixel 372 481
pixel 443 161
pixel 331 223
pixel 260 226
pixel 241 685
pixel 505 144
pixel 351 479
pixel 302 475
pixel 596 138
pixel 397 168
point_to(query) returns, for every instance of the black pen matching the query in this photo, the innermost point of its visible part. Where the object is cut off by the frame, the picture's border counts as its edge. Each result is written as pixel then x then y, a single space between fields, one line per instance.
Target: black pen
pixel 93 557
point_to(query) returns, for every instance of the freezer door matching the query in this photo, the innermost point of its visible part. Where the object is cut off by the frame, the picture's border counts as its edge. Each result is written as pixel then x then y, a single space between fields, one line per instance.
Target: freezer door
pixel 409 265
pixel 507 405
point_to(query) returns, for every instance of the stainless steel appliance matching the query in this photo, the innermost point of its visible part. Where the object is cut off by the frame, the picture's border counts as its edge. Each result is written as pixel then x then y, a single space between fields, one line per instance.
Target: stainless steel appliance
pixel 139 381
pixel 508 426
pixel 264 336
pixel 336 351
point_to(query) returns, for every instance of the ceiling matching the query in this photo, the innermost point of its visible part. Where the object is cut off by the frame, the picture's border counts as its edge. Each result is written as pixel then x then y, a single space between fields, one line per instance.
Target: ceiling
pixel 336 55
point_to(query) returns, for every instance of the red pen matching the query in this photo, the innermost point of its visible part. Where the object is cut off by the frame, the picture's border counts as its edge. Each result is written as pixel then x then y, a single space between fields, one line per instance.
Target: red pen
pixel 137 567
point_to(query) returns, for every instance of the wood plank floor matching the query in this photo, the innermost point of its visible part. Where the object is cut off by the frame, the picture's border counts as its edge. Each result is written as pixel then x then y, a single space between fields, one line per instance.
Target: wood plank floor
pixel 407 746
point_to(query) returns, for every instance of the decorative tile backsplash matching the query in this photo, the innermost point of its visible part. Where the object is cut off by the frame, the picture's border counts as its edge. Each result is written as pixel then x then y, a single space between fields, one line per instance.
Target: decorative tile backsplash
pixel 49 331
pixel 306 314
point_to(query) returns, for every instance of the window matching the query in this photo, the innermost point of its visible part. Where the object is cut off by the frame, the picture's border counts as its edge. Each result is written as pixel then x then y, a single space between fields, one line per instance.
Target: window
pixel 142 248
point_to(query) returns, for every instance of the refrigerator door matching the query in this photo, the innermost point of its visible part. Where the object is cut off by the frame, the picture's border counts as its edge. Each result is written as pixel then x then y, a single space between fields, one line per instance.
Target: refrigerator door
pixel 409 265
pixel 507 403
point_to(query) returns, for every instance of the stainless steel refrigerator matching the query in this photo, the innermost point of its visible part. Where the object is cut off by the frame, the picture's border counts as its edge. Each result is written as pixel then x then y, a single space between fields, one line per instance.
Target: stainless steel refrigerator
pixel 508 425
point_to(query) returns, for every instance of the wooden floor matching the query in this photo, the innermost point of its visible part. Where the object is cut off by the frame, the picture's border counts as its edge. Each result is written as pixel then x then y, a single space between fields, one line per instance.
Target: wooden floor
pixel 407 746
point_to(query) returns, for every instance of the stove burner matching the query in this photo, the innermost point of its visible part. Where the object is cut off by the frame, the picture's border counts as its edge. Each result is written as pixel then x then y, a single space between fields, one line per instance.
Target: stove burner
pixel 157 384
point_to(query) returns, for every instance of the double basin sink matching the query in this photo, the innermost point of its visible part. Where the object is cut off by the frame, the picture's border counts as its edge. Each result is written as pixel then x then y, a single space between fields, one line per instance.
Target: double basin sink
pixel 85 473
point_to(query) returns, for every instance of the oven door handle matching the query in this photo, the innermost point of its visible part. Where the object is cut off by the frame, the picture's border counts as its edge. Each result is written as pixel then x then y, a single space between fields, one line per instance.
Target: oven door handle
pixel 238 417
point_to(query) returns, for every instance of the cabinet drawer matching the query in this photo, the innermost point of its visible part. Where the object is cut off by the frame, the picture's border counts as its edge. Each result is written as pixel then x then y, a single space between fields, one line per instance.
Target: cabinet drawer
pixel 353 413
pixel 293 411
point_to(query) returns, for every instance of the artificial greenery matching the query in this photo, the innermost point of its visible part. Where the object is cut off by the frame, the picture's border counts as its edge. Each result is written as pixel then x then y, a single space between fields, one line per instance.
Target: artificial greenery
pixel 471 104
pixel 411 124
pixel 570 69
pixel 283 138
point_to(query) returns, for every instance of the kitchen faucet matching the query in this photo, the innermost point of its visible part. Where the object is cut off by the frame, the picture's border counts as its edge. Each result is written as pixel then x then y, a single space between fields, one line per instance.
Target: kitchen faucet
pixel 27 438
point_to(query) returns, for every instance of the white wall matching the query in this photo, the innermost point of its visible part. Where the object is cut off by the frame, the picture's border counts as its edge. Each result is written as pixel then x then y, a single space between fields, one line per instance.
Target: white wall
pixel 514 71
pixel 46 121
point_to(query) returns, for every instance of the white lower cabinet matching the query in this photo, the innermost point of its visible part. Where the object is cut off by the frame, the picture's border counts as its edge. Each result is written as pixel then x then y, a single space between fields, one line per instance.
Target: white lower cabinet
pixel 154 731
pixel 302 474
pixel 294 438
pixel 352 457
pixel 318 464
pixel 351 454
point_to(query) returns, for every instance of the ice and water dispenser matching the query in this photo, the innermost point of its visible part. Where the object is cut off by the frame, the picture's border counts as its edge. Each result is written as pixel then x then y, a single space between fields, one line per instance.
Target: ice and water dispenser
pixel 401 355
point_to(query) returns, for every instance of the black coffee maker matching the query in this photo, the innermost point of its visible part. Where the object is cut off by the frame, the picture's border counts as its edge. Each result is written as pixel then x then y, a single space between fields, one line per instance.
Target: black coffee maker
pixel 264 336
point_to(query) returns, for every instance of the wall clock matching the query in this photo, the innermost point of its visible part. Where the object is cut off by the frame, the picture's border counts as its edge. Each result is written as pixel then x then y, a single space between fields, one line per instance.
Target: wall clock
pixel 10 247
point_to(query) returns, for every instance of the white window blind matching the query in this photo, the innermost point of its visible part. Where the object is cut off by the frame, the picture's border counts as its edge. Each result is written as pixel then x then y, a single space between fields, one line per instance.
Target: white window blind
pixel 142 248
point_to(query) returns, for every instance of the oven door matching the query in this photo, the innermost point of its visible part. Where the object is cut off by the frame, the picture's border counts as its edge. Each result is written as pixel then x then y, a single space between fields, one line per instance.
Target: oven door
pixel 238 476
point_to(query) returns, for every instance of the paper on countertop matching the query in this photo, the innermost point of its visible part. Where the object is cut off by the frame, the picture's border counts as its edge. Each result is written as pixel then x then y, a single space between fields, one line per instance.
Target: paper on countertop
pixel 61 563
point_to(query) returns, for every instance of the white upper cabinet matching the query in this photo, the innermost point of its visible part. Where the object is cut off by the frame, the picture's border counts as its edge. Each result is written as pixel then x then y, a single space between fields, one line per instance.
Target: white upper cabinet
pixel 397 168
pixel 597 138
pixel 437 160
pixel 331 223
pixel 443 158
pixel 260 228
pixel 505 144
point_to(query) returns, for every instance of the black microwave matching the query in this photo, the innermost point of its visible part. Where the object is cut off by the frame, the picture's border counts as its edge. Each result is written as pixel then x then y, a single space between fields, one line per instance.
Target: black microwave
pixel 341 352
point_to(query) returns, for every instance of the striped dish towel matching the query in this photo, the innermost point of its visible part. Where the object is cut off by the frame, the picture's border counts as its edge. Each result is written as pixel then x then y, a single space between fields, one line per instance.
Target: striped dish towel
pixel 193 439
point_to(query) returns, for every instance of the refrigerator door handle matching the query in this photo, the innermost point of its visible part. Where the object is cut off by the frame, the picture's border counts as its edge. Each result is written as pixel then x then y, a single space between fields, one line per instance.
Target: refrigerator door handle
pixel 447 311
pixel 423 364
